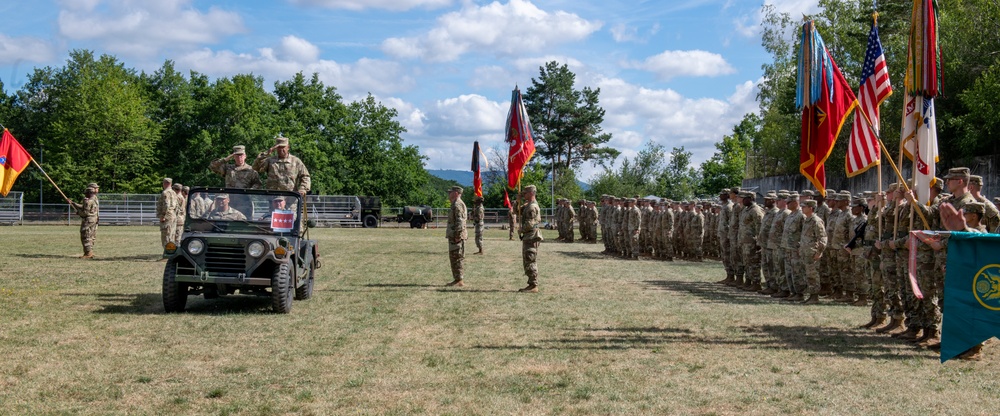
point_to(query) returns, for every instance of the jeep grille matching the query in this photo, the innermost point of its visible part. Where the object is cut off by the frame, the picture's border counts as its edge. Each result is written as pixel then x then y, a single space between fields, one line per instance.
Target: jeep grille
pixel 225 258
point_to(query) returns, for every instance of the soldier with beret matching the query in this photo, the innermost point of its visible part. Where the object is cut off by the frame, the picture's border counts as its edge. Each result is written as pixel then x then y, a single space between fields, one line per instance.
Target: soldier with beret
pixel 456 235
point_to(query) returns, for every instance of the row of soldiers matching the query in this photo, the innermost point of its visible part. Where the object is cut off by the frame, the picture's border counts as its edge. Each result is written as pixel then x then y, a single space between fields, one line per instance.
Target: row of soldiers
pixel 565 215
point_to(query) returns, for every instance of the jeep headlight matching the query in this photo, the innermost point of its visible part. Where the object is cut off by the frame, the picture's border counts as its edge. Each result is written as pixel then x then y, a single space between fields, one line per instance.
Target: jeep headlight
pixel 195 247
pixel 256 249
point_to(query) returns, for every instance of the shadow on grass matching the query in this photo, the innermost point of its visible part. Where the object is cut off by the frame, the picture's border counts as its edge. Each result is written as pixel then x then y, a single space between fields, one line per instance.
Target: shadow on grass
pixel 711 292
pixel 47 256
pixel 400 285
pixel 467 290
pixel 814 340
pixel 585 255
pixel 137 257
pixel 152 304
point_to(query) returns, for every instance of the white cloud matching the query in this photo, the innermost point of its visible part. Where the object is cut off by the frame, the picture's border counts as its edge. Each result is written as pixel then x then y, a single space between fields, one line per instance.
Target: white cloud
pixel 145 28
pixel 25 48
pixel 352 80
pixel 749 24
pixel 466 115
pixel 505 29
pixel 625 33
pixel 671 64
pixel 391 5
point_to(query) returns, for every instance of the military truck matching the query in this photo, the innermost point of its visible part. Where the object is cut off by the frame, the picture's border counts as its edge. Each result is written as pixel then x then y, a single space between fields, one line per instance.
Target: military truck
pixel 241 240
pixel 417 216
pixel 345 210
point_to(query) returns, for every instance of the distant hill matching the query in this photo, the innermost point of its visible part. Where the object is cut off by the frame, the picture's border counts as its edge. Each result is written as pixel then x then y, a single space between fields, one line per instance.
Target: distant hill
pixel 464 177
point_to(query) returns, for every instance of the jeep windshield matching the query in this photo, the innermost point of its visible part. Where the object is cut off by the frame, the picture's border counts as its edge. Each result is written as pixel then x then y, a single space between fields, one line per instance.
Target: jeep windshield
pixel 248 211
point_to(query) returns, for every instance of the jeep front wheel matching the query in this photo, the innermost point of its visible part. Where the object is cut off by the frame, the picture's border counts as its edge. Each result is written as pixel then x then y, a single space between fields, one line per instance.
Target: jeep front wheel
pixel 306 290
pixel 174 294
pixel 282 290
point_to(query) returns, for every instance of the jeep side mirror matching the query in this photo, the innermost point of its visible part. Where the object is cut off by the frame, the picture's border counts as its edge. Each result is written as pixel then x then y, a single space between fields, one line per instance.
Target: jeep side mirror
pixel 311 223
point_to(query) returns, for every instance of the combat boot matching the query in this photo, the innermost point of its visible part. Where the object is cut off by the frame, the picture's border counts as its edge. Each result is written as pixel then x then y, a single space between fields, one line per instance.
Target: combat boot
pixel 972 354
pixel 834 294
pixel 529 289
pixel 862 300
pixel 87 255
pixel 753 287
pixel 824 289
pixel 813 300
pixel 781 295
pixel 456 283
pixel 929 335
pixel 912 332
pixel 876 321
pixel 729 276
pixel 847 298
pixel 893 324
pixel 768 291
pixel 737 282
pixel 795 298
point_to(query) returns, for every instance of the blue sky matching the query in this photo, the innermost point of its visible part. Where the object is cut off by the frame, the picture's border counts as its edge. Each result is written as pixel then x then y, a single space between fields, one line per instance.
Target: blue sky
pixel 674 72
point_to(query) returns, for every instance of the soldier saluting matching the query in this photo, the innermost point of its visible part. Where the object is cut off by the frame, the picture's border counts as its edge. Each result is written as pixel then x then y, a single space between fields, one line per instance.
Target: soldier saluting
pixel 284 171
pixel 239 174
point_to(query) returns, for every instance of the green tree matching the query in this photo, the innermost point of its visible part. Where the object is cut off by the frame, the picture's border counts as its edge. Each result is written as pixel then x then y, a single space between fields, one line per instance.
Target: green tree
pixel 310 112
pixel 637 176
pixel 678 180
pixel 727 166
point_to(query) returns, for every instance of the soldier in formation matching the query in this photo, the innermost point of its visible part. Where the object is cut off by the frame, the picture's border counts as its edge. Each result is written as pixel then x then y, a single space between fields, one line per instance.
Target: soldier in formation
pixel 478 217
pixel 531 236
pixel 166 212
pixel 456 235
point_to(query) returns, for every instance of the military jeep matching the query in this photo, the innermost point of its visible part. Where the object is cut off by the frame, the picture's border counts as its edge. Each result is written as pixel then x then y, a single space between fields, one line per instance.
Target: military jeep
pixel 243 240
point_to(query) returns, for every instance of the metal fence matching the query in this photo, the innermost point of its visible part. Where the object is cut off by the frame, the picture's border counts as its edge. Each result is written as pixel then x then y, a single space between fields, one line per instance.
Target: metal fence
pixel 140 209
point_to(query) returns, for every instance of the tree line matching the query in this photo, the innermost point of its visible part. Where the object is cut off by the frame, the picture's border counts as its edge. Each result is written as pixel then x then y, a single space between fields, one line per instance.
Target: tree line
pixel 96 120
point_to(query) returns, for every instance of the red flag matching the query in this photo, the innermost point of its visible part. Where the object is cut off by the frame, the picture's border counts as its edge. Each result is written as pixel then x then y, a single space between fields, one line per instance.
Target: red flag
pixel 863 150
pixel 13 160
pixel 506 199
pixel 477 180
pixel 522 146
pixel 826 100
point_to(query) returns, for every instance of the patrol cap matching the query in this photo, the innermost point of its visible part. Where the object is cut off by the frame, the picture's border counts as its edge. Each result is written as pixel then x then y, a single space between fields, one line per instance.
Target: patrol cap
pixel 734 190
pixel 239 150
pixel 782 191
pixel 793 196
pixel 782 195
pixel 278 198
pixel 723 191
pixel 938 184
pixel 859 202
pixel 168 180
pixel 186 188
pixel 630 200
pixel 976 180
pixel 93 185
pixel 456 188
pixel 807 192
pixel 222 196
pixel 478 198
pixel 530 188
pixel 177 187
pixel 893 186
pixel 828 192
pixel 747 194
pixel 868 194
pixel 975 208
pixel 281 141
pixel 809 203
pixel 962 173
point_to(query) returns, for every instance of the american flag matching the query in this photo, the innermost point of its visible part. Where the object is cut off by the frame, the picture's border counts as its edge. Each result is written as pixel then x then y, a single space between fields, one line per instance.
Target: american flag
pixel 863 150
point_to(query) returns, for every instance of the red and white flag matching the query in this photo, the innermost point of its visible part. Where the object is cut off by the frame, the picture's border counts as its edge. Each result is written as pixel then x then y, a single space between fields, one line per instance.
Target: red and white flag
pixel 863 150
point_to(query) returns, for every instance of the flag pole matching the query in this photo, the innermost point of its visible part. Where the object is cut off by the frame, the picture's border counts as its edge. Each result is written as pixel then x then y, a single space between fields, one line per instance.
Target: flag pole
pixel 49 178
pixel 895 168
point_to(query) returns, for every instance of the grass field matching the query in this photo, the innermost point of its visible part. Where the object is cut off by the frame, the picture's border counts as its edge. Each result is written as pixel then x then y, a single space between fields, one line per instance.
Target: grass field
pixel 382 336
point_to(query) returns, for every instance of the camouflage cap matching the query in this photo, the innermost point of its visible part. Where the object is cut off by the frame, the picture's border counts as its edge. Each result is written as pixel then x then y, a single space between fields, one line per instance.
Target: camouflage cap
pixel 976 180
pixel 530 188
pixel 780 191
pixel 221 196
pixel 807 192
pixel 177 187
pixel 239 150
pixel 477 199
pixel 893 186
pixel 827 191
pixel 868 194
pixel 962 173
pixel 724 191
pixel 859 202
pixel 93 185
pixel 748 194
pixel 278 198
pixel 846 195
pixel 782 195
pixel 938 184
pixel 168 180
pixel 281 141
pixel 735 190
pixel 793 196
pixel 456 188
pixel 810 203
pixel 975 208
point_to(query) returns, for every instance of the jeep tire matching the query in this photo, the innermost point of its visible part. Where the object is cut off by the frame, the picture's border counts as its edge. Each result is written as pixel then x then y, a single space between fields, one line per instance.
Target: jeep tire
pixel 282 290
pixel 174 294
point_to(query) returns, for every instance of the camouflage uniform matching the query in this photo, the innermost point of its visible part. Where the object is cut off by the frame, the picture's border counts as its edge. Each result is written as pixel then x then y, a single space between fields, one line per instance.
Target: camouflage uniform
pixel 88 211
pixel 667 225
pixel 633 228
pixel 288 174
pixel 777 252
pixel 876 291
pixel 478 217
pixel 695 234
pixel 829 280
pixel 735 249
pixel 456 235
pixel 243 176
pixel 791 234
pixel 166 211
pixel 511 221
pixel 750 219
pixel 570 217
pixel 812 242
pixel 725 217
pixel 229 214
pixel 181 213
pixel 763 238
pixel 530 237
